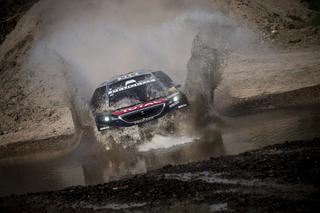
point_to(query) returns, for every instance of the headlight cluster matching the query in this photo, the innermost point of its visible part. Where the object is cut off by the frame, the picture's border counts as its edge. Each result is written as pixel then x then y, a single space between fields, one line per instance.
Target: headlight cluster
pixel 105 118
pixel 176 98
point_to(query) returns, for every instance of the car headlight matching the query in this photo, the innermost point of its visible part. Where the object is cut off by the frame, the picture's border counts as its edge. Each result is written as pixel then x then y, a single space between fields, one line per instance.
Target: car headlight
pixel 176 98
pixel 107 118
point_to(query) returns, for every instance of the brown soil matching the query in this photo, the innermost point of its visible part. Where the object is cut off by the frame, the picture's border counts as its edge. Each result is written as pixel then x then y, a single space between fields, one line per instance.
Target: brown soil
pixel 35 106
pixel 29 96
pixel 283 23
pixel 10 13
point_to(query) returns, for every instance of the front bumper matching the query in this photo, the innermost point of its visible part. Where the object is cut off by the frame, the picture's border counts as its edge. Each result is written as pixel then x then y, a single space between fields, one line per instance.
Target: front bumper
pixel 105 121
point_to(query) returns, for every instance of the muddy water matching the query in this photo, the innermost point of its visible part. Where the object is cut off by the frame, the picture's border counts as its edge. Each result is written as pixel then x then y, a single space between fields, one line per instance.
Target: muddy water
pixel 90 163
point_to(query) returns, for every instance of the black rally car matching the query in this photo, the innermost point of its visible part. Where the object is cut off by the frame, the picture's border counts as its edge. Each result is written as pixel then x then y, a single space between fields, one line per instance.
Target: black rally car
pixel 135 98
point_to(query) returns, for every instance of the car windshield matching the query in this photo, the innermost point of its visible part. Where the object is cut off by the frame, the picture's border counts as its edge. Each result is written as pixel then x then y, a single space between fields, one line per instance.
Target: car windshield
pixel 136 92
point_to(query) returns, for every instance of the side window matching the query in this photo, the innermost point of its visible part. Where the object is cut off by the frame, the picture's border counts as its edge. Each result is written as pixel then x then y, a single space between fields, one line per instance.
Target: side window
pixel 98 97
pixel 163 78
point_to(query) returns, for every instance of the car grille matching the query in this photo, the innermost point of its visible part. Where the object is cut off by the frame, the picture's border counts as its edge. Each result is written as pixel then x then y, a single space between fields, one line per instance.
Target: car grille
pixel 144 113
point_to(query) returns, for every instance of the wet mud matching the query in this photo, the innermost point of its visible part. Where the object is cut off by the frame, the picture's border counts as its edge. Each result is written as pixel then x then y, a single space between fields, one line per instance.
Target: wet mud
pixel 278 178
pixel 92 162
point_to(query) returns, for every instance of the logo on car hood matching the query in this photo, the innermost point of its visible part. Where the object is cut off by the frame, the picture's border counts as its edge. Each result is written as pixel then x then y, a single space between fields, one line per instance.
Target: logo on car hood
pixel 138 107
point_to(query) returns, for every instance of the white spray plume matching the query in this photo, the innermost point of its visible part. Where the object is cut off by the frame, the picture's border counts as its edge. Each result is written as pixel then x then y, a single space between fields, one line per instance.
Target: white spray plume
pixel 99 39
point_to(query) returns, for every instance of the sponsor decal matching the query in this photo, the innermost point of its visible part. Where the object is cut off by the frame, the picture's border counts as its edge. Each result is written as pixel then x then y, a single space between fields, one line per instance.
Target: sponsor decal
pixel 104 128
pixel 131 86
pixel 144 120
pixel 130 75
pixel 174 104
pixel 181 106
pixel 139 106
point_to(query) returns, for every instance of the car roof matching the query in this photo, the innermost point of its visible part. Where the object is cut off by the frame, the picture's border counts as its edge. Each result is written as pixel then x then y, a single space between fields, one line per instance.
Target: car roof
pixel 126 76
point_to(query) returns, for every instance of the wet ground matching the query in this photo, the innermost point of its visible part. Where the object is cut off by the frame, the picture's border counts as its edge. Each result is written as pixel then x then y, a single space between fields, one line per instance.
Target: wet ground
pixel 90 163
pixel 278 178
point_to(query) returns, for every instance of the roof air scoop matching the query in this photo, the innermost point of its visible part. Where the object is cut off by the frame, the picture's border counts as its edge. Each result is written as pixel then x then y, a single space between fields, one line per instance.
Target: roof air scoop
pixel 130 82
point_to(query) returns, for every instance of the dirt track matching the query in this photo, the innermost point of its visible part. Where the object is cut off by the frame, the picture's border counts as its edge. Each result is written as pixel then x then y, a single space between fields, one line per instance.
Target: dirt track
pixel 279 178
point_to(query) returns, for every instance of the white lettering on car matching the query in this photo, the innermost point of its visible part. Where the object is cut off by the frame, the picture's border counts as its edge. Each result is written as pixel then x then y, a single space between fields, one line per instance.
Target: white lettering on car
pixel 140 106
pixel 131 86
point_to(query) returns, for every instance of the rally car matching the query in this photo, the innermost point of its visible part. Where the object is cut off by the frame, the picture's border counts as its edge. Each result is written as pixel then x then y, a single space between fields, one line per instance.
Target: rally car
pixel 135 98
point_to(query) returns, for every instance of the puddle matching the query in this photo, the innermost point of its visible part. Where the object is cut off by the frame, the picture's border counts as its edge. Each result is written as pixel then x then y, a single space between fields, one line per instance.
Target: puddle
pixel 91 164
pixel 218 207
pixel 164 142
pixel 112 206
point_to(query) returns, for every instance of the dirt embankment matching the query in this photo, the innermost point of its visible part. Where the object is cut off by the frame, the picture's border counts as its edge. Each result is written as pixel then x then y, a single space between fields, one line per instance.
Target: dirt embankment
pixel 279 178
pixel 277 68
pixel 283 23
pixel 11 12
pixel 34 100
pixel 253 82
